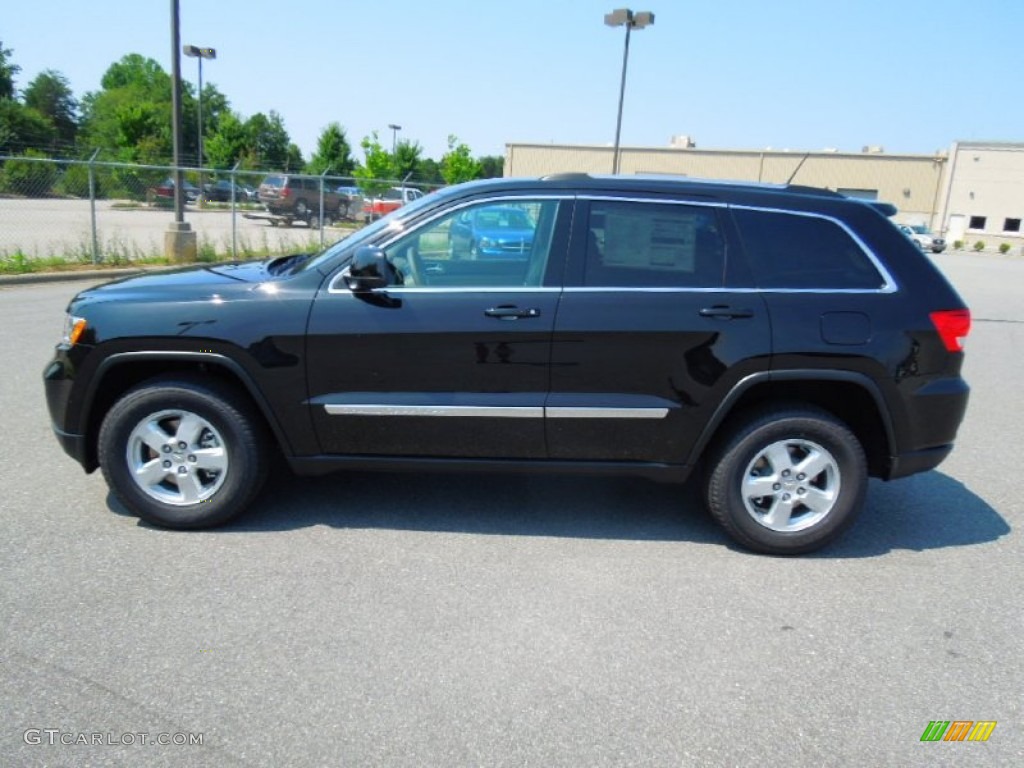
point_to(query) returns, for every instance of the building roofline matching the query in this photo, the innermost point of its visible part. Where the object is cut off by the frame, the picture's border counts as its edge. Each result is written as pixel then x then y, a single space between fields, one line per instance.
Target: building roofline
pixel 772 152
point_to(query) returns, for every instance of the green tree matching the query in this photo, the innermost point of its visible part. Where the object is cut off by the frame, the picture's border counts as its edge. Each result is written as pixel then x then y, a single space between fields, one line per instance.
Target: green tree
pixel 50 94
pixel 7 73
pixel 406 159
pixel 458 165
pixel 491 166
pixel 332 152
pixel 215 106
pixel 377 167
pixel 29 178
pixel 130 117
pixel 227 144
pixel 429 172
pixel 22 128
pixel 268 143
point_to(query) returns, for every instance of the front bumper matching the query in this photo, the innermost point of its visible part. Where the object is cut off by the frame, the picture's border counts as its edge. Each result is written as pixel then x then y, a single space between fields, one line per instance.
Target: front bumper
pixel 58 381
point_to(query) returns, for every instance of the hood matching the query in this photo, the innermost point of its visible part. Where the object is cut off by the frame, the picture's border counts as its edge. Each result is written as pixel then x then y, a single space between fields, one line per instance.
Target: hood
pixel 191 282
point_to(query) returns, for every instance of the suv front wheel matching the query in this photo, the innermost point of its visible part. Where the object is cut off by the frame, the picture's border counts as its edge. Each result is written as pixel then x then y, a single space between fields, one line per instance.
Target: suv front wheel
pixel 787 480
pixel 183 453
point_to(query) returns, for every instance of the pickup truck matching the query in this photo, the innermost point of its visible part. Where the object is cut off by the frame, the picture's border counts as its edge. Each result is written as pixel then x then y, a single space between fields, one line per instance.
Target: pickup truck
pixel 925 240
pixel 391 200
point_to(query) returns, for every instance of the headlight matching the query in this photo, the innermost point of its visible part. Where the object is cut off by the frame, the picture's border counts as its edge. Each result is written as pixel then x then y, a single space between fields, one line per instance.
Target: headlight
pixel 74 327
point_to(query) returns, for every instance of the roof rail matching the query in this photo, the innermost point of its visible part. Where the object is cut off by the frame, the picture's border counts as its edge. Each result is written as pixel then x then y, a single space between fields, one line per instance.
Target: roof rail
pixel 567 176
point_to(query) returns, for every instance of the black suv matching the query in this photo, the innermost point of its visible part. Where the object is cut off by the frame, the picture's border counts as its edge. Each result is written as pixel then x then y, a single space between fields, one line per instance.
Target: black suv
pixel 786 342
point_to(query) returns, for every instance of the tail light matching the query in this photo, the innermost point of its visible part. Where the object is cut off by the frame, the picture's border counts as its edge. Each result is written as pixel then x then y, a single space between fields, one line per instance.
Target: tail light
pixel 285 192
pixel 953 326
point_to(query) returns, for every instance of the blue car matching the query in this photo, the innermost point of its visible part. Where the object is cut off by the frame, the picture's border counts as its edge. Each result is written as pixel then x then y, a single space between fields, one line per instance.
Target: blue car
pixel 492 232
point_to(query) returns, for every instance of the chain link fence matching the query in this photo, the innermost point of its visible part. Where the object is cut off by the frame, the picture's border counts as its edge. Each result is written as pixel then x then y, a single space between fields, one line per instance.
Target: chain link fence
pixel 57 212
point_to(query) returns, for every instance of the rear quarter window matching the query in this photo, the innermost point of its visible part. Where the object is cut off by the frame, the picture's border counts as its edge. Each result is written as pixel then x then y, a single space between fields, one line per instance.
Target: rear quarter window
pixel 797 251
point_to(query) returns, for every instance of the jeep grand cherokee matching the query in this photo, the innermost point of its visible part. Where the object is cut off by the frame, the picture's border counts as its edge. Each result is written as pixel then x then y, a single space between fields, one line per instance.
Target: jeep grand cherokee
pixel 785 342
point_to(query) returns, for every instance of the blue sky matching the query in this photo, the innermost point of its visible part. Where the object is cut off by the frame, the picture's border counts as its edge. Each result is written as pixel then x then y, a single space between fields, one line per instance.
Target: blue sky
pixel 910 75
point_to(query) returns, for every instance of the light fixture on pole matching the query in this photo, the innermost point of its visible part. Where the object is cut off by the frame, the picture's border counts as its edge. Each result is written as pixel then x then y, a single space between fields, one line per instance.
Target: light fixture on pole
pixel 196 52
pixel 630 20
pixel 394 137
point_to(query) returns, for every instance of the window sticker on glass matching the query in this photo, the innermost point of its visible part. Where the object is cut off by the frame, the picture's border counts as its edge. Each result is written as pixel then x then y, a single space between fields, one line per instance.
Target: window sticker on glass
pixel 650 239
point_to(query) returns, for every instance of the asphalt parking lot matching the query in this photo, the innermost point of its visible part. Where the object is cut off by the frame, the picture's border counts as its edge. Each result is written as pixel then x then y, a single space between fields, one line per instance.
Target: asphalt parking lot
pixel 479 620
pixel 50 227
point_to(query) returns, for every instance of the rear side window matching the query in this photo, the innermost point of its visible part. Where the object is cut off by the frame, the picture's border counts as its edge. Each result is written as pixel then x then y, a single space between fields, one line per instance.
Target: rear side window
pixel 794 251
pixel 657 245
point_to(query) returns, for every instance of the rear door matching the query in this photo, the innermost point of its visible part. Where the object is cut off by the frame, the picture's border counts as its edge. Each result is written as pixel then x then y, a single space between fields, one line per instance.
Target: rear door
pixel 648 338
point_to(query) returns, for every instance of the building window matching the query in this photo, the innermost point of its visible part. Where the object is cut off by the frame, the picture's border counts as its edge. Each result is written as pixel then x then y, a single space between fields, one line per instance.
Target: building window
pixel 977 222
pixel 1011 225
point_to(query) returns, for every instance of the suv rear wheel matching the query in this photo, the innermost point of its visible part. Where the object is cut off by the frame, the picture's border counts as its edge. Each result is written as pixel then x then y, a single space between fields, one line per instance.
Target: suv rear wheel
pixel 183 453
pixel 787 480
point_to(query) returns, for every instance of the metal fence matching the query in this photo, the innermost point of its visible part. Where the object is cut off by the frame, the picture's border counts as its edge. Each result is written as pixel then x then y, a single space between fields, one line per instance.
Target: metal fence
pixel 91 212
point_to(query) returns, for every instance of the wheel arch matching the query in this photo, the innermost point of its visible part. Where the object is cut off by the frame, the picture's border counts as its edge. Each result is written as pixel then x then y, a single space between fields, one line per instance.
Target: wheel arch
pixel 851 397
pixel 122 371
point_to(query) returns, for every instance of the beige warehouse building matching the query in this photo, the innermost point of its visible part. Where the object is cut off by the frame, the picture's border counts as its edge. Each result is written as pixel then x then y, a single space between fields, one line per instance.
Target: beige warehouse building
pixel 974 191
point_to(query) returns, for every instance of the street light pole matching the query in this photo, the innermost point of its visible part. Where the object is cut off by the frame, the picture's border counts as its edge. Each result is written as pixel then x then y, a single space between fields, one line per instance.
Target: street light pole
pixel 629 19
pixel 394 137
pixel 179 240
pixel 200 53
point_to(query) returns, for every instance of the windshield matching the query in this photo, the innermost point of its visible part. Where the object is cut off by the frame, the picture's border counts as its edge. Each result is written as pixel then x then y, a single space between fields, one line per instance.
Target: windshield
pixel 920 229
pixel 394 221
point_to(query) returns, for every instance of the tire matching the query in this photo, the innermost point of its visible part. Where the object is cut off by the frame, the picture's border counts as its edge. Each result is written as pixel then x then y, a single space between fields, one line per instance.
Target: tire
pixel 301 209
pixel 217 473
pixel 756 491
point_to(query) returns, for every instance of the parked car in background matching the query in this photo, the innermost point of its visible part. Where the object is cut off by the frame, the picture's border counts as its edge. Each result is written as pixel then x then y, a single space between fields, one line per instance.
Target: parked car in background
pixel 495 232
pixel 352 200
pixel 298 198
pixel 166 190
pixel 921 235
pixel 220 192
pixel 389 201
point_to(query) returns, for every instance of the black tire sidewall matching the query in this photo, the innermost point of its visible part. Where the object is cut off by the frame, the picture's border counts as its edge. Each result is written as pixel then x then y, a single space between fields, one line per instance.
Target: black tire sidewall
pixel 725 500
pixel 245 471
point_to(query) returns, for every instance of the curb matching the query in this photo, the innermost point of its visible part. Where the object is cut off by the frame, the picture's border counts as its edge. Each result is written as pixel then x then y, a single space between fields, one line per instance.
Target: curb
pixel 85 274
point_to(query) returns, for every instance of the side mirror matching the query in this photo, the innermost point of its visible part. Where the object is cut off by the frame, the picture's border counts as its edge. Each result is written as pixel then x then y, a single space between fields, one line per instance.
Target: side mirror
pixel 370 269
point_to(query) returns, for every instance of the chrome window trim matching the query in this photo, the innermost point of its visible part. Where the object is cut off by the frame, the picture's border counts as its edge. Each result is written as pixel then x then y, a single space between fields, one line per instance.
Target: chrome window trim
pixel 427 289
pixel 889 284
pixel 634 289
pixel 446 210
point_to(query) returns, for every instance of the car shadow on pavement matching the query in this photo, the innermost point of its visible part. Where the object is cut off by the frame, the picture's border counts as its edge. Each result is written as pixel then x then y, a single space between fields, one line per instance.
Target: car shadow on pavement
pixel 485 503
pixel 929 511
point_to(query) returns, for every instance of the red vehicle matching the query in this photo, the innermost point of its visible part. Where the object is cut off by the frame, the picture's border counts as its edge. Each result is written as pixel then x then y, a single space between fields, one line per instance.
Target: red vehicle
pixel 391 200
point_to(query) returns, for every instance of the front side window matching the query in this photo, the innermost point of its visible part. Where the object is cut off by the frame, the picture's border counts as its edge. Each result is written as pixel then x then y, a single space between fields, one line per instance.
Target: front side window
pixel 495 244
pixel 793 251
pixel 654 245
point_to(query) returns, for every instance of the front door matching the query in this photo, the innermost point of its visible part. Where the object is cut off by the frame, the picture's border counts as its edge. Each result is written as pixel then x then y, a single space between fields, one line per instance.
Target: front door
pixel 452 360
